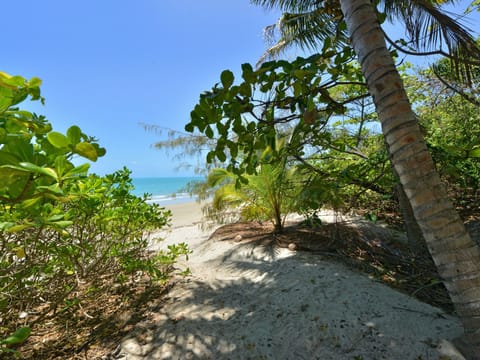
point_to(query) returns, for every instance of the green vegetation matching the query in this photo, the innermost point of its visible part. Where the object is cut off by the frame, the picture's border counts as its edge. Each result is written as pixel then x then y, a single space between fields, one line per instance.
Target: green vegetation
pixel 297 120
pixel 273 192
pixel 285 137
pixel 337 159
pixel 304 94
pixel 65 234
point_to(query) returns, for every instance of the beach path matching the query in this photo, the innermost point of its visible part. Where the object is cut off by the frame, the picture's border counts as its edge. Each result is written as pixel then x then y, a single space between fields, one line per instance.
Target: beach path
pixel 248 301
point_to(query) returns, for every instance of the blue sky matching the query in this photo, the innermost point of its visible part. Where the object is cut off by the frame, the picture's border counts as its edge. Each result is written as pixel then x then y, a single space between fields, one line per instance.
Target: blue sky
pixel 109 65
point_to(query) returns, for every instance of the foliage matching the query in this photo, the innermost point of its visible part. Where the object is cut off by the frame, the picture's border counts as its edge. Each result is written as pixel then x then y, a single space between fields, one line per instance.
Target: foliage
pixel 443 76
pixel 474 5
pixel 325 118
pixel 273 192
pixel 451 126
pixel 310 24
pixel 59 226
pixel 245 119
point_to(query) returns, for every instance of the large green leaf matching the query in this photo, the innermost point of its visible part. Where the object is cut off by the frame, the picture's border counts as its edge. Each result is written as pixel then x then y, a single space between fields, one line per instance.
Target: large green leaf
pixel 54 189
pixel 86 150
pixel 12 181
pixel 39 169
pixel 227 78
pixel 58 140
pixel 80 170
pixel 61 165
pixel 28 203
pixel 18 228
pixel 74 134
pixel 5 103
pixel 15 81
pixel 21 148
pixel 34 82
pixel 7 158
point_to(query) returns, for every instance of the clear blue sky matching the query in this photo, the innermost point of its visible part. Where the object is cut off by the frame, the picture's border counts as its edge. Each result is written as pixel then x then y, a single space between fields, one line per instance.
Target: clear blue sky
pixel 109 65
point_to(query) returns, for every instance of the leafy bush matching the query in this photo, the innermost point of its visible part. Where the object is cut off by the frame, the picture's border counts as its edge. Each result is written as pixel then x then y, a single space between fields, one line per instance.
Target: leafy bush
pixel 59 226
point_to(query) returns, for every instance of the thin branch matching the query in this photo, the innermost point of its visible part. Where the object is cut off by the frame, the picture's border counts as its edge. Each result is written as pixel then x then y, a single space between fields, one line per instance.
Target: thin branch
pixel 460 92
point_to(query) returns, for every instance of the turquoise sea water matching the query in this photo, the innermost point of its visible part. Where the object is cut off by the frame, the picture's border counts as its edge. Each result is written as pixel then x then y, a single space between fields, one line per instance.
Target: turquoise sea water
pixel 164 190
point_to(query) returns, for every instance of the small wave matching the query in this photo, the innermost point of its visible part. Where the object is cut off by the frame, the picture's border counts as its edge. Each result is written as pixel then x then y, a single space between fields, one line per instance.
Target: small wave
pixel 170 199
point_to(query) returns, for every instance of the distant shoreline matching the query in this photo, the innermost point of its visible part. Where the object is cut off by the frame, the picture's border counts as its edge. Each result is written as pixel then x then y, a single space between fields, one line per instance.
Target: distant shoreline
pixel 164 190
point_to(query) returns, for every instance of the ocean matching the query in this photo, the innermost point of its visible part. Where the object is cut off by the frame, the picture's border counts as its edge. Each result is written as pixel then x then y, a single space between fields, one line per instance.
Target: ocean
pixel 164 190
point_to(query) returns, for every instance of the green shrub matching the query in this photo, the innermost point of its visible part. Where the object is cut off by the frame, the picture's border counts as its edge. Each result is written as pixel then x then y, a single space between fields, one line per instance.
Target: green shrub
pixel 61 227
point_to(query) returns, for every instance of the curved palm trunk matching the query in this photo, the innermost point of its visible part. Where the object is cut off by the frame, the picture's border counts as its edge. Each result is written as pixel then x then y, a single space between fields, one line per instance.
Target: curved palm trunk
pixel 456 256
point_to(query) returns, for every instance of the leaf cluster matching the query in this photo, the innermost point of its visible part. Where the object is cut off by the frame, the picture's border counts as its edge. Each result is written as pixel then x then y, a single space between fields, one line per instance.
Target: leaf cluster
pixel 317 108
pixel 245 119
pixel 61 227
pixel 451 126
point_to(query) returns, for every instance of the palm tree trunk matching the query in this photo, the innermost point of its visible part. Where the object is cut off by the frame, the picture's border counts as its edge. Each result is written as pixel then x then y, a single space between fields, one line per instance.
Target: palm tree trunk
pixel 416 242
pixel 456 256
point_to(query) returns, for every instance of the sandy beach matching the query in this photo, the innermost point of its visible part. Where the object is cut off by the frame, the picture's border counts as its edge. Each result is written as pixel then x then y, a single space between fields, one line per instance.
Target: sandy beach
pixel 185 214
pixel 244 301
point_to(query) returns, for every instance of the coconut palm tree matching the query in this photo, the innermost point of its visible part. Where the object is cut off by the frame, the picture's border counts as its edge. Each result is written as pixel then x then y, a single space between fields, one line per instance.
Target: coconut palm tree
pixel 456 256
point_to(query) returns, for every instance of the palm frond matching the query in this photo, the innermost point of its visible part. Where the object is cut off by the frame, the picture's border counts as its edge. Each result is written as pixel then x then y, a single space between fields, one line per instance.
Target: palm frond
pixel 218 176
pixel 227 196
pixel 306 30
pixel 289 5
pixel 429 27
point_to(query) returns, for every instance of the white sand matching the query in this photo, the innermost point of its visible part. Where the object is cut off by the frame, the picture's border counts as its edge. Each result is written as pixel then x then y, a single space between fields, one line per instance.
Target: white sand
pixel 249 302
pixel 185 214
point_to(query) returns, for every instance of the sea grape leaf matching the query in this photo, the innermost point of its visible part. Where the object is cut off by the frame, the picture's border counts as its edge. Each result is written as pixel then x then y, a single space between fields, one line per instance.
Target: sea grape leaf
pixel 61 164
pixel 74 134
pixel 58 140
pixel 17 228
pixel 12 181
pixel 86 150
pixel 39 169
pixel 35 82
pixel 77 171
pixel 227 78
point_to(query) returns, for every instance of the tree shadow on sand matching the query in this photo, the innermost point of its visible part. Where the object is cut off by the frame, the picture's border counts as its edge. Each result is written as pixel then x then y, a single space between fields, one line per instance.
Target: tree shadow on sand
pixel 258 300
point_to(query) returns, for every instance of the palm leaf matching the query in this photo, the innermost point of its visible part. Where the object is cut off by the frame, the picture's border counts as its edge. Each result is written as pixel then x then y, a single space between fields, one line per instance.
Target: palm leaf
pixel 304 24
pixel 288 5
pixel 307 24
pixel 430 28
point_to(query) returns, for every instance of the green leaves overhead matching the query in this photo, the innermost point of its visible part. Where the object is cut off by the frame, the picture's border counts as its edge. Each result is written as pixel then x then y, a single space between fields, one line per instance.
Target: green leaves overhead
pixel 74 134
pixel 244 118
